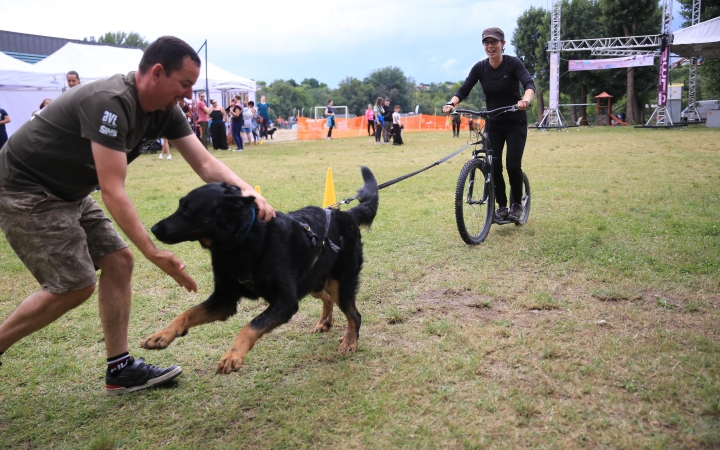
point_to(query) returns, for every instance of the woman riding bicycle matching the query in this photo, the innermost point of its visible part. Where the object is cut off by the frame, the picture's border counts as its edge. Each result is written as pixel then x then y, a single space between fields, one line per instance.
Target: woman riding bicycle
pixel 499 75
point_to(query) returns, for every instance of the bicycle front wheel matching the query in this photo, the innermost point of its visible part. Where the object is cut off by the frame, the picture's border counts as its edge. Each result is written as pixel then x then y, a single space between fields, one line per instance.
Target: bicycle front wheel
pixel 474 202
pixel 525 201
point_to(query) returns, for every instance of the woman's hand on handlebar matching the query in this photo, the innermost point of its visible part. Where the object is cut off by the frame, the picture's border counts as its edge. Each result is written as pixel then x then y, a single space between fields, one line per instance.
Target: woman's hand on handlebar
pixel 451 105
pixel 523 104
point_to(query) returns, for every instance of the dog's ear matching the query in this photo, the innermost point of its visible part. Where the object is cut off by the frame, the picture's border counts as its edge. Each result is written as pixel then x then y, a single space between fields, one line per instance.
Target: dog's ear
pixel 248 200
pixel 232 211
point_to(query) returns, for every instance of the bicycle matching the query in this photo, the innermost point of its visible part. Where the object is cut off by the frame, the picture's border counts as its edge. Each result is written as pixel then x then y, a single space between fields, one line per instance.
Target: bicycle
pixel 475 205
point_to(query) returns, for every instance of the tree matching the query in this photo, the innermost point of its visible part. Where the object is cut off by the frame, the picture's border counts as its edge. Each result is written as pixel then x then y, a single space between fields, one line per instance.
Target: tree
pixel 355 94
pixel 284 97
pixel 631 18
pixel 391 82
pixel 529 38
pixel 131 39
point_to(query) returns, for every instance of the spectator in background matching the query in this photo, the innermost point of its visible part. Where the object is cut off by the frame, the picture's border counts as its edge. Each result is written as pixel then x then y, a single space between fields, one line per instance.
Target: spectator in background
pixel 4 118
pixel 370 118
pixel 218 130
pixel 280 122
pixel 456 125
pixel 42 105
pixel 203 118
pixel 387 122
pixel 72 78
pixel 165 149
pixel 263 110
pixel 330 116
pixel 236 121
pixel 379 117
pixel 248 116
pixel 397 127
pixel 187 111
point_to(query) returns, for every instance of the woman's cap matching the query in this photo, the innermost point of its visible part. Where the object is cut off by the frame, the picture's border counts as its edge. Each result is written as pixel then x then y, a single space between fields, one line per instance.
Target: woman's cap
pixel 495 33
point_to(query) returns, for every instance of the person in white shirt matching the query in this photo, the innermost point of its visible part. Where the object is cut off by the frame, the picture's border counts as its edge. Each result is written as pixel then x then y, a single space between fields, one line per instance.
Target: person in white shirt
pixel 397 127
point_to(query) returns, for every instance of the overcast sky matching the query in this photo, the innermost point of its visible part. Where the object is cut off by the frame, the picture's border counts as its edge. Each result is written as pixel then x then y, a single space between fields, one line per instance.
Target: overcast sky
pixel 430 40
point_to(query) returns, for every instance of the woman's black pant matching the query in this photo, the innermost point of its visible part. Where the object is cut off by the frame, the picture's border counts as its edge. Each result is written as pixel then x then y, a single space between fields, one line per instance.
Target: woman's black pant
pixel 397 134
pixel 378 131
pixel 218 136
pixel 371 124
pixel 514 134
pixel 456 128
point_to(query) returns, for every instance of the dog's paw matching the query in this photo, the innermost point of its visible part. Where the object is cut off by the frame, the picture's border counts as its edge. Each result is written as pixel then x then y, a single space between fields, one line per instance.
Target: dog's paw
pixel 230 362
pixel 158 341
pixel 323 326
pixel 348 347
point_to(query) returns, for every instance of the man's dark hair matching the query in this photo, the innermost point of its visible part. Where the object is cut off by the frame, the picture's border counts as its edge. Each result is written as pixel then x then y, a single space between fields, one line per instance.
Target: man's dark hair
pixel 168 51
pixel 72 72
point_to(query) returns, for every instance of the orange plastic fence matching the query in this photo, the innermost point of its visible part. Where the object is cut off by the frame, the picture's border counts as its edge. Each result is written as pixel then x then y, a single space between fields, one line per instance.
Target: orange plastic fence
pixel 309 129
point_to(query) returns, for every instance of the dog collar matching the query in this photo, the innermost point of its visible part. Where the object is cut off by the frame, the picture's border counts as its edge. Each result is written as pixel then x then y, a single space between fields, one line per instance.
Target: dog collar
pixel 244 235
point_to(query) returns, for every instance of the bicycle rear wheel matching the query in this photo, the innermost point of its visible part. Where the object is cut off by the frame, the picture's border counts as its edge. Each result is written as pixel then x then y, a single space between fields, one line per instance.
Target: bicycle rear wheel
pixel 474 202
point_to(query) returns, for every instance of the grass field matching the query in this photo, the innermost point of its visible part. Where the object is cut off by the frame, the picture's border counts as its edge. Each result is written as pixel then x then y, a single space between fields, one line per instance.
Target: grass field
pixel 595 325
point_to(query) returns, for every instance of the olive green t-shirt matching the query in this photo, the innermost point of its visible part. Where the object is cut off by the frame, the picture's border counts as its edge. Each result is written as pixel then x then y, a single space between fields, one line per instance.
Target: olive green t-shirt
pixel 52 152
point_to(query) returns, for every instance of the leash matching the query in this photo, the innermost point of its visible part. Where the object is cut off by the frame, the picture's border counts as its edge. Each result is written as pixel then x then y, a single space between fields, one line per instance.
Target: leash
pixel 345 201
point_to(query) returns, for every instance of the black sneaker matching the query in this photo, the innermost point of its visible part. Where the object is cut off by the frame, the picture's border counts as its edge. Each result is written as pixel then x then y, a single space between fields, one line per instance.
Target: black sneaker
pixel 501 213
pixel 516 211
pixel 138 375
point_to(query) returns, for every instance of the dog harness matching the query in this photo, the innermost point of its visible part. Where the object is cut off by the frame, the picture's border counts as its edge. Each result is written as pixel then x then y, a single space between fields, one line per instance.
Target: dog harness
pixel 314 239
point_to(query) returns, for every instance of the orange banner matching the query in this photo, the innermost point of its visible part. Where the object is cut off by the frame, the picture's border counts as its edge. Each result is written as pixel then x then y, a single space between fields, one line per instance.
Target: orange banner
pixel 309 129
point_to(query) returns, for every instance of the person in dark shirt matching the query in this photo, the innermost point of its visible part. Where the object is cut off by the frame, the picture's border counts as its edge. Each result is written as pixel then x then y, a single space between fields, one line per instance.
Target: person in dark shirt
pixel 4 118
pixel 500 76
pixel 387 125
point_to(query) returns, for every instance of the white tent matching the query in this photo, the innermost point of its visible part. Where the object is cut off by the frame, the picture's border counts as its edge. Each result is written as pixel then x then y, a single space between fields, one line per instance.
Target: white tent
pixel 704 36
pixel 91 62
pixel 22 88
pixel 221 82
pixel 16 74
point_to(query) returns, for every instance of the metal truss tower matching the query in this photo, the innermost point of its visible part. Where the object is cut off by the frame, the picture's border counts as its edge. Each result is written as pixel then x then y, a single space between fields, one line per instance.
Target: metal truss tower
pixel 553 117
pixel 615 46
pixel 692 113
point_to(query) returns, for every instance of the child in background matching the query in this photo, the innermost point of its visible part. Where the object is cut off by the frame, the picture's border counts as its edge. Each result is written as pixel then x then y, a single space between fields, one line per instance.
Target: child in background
pixel 397 126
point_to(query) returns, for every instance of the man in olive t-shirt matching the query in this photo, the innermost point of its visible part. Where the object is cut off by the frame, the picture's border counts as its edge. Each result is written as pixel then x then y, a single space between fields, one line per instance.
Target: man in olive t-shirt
pixel 51 164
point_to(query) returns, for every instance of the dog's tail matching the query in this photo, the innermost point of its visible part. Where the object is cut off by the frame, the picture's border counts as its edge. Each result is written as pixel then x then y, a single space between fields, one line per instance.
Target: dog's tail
pixel 364 213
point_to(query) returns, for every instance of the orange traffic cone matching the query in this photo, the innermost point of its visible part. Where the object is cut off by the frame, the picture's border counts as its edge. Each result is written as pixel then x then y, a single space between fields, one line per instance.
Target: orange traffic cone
pixel 329 190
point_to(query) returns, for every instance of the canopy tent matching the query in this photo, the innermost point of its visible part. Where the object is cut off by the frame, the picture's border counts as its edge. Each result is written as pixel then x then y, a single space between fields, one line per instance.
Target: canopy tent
pixel 7 62
pixel 91 62
pixel 16 74
pixel 704 36
pixel 220 82
pixel 23 87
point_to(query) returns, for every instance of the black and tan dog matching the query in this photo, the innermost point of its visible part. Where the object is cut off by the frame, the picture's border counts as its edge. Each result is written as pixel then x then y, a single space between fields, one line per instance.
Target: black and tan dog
pixel 310 251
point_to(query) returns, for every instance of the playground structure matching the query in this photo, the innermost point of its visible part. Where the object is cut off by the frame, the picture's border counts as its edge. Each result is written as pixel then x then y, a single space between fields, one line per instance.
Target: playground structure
pixel 621 46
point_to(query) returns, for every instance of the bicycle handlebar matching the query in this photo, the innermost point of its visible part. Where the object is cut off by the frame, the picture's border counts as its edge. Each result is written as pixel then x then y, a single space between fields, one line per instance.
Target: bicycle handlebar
pixel 486 114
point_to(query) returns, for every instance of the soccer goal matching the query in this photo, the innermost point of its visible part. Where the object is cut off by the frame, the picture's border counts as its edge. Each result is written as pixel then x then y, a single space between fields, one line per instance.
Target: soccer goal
pixel 340 118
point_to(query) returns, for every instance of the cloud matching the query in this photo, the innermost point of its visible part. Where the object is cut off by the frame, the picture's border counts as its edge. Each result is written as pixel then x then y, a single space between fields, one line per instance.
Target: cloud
pixel 285 39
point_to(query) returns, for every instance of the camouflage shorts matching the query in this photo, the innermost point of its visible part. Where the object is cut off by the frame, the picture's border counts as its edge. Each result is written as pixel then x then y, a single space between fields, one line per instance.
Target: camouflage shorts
pixel 58 241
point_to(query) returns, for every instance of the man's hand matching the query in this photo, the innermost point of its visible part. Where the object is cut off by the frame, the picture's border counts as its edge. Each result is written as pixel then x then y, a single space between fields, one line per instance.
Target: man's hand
pixel 173 266
pixel 265 211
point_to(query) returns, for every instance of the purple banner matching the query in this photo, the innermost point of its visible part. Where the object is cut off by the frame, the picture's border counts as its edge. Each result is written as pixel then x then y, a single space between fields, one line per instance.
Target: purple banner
pixel 613 63
pixel 663 81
